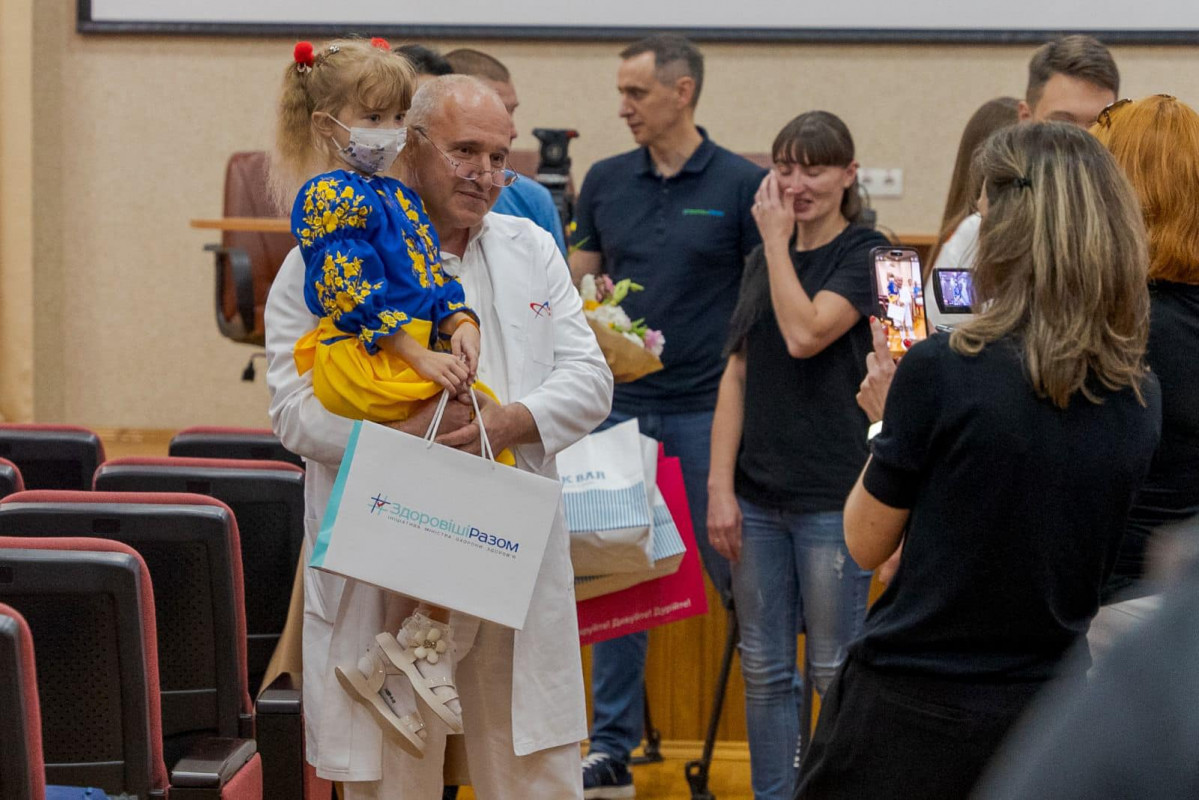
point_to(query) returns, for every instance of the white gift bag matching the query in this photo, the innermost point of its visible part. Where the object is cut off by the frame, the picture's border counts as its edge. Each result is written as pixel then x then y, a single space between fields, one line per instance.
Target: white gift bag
pixel 437 524
pixel 607 482
pixel 668 555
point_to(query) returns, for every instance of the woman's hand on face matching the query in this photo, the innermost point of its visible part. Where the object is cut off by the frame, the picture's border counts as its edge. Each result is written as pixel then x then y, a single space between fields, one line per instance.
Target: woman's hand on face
pixel 772 210
pixel 880 369
pixel 724 524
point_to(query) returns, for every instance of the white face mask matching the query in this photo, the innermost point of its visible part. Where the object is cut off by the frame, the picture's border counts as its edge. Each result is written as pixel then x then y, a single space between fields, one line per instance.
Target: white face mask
pixel 371 150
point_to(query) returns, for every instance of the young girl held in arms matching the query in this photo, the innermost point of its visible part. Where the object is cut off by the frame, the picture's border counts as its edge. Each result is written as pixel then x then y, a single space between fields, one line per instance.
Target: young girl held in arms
pixel 394 329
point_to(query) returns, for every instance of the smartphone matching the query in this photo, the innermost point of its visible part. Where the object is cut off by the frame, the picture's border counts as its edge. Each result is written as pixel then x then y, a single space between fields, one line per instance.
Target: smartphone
pixel 900 290
pixel 955 290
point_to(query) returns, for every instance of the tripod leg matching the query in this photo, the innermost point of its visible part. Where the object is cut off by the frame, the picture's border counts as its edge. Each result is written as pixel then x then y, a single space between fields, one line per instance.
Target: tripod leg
pixel 697 771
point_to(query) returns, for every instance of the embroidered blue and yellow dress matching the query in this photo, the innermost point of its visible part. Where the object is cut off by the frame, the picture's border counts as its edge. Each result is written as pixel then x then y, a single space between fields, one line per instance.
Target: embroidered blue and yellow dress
pixel 372 270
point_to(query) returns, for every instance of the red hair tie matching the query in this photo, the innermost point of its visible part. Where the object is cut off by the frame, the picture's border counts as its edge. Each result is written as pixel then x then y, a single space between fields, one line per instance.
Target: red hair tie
pixel 303 56
pixel 380 43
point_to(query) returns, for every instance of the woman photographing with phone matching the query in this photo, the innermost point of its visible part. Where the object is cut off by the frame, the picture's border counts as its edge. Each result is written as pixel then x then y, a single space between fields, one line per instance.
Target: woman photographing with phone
pixel 788 440
pixel 1010 453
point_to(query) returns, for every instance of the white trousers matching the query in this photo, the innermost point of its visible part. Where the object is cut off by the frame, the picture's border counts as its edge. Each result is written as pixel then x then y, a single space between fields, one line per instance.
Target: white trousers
pixel 484 679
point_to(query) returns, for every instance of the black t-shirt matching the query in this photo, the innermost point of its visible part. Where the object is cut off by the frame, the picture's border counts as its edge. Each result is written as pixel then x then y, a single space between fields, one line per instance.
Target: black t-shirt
pixel 684 238
pixel 1171 492
pixel 1017 508
pixel 803 441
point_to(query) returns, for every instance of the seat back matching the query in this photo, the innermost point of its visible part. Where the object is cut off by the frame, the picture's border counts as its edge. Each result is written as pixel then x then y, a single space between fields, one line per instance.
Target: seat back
pixel 52 456
pixel 257 444
pixel 22 775
pixel 90 608
pixel 247 194
pixel 10 478
pixel 191 546
pixel 267 498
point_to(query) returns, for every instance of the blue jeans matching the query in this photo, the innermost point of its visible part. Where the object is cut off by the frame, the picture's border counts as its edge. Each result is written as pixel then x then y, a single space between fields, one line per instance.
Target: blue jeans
pixel 794 568
pixel 618 665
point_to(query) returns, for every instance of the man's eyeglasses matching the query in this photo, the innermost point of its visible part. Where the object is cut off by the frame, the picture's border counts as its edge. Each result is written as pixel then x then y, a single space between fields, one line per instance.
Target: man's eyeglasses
pixel 502 176
pixel 1105 116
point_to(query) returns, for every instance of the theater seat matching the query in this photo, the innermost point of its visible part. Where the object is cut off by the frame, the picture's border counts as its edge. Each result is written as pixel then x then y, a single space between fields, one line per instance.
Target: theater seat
pixel 267 498
pixel 90 606
pixel 257 444
pixel 10 478
pixel 52 456
pixel 191 546
pixel 247 261
pixel 22 775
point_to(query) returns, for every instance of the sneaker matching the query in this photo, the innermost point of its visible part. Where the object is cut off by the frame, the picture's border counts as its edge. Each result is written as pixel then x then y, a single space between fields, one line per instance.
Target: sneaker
pixel 605 778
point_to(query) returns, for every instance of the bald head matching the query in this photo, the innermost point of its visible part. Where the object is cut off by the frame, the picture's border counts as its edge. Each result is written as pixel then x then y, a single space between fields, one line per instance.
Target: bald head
pixel 450 94
pixel 456 122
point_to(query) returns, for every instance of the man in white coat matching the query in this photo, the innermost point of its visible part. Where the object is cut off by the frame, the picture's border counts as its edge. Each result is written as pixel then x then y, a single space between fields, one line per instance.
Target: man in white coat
pixel 521 692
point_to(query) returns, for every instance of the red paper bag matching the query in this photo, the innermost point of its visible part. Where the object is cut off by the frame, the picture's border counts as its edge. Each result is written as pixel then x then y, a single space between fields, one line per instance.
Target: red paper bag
pixel 662 600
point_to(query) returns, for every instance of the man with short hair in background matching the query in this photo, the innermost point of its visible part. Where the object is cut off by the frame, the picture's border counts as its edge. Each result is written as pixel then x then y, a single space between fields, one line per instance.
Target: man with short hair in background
pixel 1070 79
pixel 526 198
pixel 674 216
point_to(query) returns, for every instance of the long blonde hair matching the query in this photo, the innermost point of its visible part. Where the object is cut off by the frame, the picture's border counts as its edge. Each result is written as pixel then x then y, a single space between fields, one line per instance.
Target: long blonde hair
pixel 343 72
pixel 1062 263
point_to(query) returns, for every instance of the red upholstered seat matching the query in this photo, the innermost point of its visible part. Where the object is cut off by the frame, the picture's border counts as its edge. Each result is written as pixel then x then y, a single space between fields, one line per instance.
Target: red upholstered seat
pixel 192 547
pixel 10 478
pixel 90 602
pixel 236 443
pixel 52 456
pixel 22 773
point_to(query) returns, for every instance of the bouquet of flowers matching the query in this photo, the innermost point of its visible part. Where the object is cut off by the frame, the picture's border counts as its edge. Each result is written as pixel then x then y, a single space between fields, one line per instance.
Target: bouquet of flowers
pixel 631 348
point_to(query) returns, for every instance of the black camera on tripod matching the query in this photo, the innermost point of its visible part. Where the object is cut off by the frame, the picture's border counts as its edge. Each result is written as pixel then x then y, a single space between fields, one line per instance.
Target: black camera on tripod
pixel 553 169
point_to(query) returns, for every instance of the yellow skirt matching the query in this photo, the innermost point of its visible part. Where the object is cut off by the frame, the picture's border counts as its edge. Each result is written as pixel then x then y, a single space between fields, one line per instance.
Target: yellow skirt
pixel 381 388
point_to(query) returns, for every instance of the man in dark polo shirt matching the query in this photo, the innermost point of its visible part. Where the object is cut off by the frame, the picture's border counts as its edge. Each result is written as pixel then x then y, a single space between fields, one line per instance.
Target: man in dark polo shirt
pixel 673 215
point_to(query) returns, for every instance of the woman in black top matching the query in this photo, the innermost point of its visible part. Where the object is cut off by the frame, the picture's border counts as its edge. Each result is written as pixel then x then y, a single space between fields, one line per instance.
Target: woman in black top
pixel 1010 453
pixel 1156 142
pixel 788 440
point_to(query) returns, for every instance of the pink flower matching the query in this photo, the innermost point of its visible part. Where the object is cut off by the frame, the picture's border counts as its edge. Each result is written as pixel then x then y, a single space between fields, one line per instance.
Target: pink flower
pixel 605 286
pixel 654 342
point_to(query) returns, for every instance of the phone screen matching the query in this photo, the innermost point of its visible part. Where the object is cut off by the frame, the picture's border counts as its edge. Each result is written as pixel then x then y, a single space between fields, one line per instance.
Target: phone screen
pixel 900 291
pixel 955 290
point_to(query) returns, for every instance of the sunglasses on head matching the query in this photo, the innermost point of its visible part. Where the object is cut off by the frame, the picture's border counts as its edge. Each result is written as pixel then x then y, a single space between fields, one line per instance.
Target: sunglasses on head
pixel 1105 116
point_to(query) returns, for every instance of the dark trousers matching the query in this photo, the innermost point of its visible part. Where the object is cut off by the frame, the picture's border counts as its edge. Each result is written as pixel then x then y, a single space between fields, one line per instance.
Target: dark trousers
pixel 883 736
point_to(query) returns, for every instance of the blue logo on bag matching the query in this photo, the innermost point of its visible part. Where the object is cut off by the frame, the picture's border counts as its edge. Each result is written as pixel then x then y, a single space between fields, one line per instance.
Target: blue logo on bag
pixel 433 524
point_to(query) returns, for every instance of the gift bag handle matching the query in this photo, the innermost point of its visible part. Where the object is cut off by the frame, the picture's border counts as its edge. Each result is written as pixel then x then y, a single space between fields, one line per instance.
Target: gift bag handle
pixel 439 412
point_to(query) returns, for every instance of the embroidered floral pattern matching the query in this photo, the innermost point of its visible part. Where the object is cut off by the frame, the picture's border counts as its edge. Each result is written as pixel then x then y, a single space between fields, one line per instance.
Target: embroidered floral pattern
pixel 426 262
pixel 327 207
pixel 342 288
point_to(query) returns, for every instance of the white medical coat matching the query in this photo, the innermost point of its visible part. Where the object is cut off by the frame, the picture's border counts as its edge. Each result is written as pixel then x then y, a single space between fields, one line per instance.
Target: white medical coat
pixel 556 370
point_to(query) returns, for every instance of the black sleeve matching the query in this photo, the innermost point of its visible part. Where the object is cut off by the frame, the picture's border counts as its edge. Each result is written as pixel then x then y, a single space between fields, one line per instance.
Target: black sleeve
pixel 584 236
pixel 900 453
pixel 852 278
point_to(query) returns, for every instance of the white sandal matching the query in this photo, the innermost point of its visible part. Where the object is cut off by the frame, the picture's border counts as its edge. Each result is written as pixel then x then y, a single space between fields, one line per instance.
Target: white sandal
pixel 364 683
pixel 426 655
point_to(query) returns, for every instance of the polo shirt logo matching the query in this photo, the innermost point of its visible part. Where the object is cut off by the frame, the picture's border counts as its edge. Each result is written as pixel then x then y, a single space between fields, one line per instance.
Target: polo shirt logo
pixel 702 212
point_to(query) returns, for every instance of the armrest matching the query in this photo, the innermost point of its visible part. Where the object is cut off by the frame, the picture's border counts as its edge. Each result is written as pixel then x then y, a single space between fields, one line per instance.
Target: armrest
pixel 283 696
pixel 210 763
pixel 279 721
pixel 241 328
